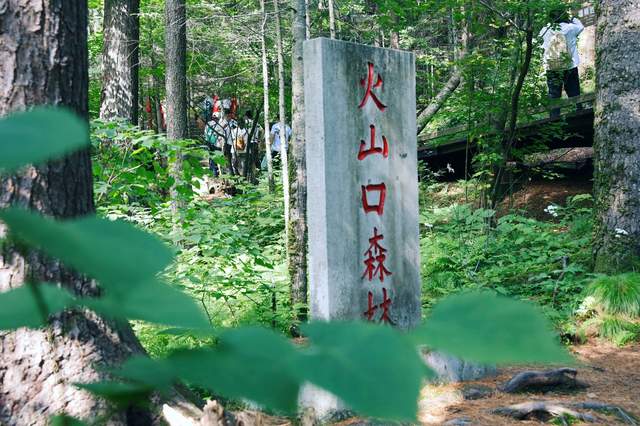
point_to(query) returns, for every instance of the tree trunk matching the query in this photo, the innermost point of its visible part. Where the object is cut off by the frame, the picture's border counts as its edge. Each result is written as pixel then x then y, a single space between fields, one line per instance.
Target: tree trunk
pixel 43 60
pixel 459 53
pixel 307 19
pixel 265 91
pixel 438 101
pixel 332 19
pixel 297 243
pixel 176 82
pixel 157 86
pixel 617 137
pixel 120 60
pixel 284 155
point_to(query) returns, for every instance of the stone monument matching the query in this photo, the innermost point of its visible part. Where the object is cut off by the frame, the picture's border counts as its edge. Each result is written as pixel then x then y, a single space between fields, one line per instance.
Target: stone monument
pixel 362 183
pixel 364 261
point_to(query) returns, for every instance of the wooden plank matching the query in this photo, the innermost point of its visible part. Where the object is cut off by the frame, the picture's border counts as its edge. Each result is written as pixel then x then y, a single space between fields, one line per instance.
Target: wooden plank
pixel 590 97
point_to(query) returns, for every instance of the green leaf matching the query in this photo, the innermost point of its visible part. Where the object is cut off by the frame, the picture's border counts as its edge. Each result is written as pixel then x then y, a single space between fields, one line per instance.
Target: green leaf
pixel 487 328
pixel 153 301
pixel 39 135
pixel 31 304
pixel 121 394
pixel 66 421
pixel 375 370
pixel 146 371
pixel 251 363
pixel 114 252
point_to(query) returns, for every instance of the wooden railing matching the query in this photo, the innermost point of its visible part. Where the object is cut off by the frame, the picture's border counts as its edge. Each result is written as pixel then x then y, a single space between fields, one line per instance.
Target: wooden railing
pixel 586 100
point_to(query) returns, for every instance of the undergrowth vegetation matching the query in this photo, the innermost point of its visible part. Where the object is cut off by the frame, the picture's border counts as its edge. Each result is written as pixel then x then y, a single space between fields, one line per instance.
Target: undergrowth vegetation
pixel 231 248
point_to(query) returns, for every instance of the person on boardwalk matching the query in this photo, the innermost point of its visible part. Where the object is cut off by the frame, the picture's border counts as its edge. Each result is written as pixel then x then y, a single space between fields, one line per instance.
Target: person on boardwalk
pixel 561 58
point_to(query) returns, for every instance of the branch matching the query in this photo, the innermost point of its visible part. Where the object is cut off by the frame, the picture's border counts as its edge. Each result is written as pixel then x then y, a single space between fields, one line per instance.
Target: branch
pixel 502 15
pixel 427 114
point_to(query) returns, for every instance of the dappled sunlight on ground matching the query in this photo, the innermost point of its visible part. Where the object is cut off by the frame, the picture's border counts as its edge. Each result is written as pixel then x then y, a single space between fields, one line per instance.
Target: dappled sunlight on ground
pixel 613 375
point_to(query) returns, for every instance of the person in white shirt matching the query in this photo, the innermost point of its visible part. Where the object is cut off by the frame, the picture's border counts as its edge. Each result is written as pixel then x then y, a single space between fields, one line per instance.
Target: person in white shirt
pixel 275 134
pixel 561 58
pixel 276 144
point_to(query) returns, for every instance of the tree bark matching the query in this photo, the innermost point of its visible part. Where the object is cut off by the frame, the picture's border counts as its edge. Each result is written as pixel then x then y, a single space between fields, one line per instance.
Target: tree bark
pixel 617 137
pixel 307 20
pixel 332 19
pixel 297 244
pixel 43 60
pixel 439 100
pixel 120 60
pixel 176 83
pixel 265 92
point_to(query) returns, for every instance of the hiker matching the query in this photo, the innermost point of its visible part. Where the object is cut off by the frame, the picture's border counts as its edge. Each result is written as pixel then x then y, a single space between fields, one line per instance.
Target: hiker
pixel 238 146
pixel 216 134
pixel 561 58
pixel 276 144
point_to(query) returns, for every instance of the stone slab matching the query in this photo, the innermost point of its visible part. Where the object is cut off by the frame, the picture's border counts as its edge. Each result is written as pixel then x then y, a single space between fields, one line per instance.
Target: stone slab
pixel 336 79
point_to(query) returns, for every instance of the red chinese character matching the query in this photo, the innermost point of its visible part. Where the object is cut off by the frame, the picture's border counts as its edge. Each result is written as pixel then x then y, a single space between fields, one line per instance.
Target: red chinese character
pixel 375 258
pixel 378 208
pixel 364 153
pixel 386 302
pixel 371 308
pixel 370 85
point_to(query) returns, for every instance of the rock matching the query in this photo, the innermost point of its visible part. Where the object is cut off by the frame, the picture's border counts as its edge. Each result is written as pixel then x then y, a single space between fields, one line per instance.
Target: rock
pixel 450 369
pixel 473 392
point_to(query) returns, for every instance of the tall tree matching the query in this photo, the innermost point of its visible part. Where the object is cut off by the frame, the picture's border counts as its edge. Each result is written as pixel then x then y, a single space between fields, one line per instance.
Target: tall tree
pixel 332 18
pixel 120 63
pixel 297 243
pixel 176 81
pixel 284 155
pixel 265 94
pixel 617 136
pixel 43 58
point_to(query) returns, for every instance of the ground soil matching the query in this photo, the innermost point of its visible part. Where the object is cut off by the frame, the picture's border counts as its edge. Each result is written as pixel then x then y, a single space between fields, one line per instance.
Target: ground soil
pixel 536 196
pixel 613 375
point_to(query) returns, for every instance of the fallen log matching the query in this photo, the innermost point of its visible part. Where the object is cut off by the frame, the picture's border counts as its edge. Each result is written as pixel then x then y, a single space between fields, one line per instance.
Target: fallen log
pixel 542 380
pixel 543 411
pixel 615 410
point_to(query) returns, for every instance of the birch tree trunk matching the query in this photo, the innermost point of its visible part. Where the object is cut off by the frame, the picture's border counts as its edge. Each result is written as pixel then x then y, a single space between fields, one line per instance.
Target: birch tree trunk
pixel 297 243
pixel 176 82
pixel 284 156
pixel 120 60
pixel 43 60
pixel 265 92
pixel 332 19
pixel 617 136
pixel 307 19
pixel 157 85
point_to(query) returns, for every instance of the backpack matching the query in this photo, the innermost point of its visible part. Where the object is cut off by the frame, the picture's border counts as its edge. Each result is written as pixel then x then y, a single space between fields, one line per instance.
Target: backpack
pixel 558 56
pixel 241 144
pixel 210 136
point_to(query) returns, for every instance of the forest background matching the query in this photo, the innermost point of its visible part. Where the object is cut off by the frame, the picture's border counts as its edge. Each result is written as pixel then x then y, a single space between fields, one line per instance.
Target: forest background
pixel 238 254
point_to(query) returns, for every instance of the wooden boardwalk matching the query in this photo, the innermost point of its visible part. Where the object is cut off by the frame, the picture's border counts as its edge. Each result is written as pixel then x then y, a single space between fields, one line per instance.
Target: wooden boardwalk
pixel 572 129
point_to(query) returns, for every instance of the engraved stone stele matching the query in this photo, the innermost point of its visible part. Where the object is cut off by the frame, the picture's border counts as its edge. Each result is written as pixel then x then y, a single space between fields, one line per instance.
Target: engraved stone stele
pixel 364 261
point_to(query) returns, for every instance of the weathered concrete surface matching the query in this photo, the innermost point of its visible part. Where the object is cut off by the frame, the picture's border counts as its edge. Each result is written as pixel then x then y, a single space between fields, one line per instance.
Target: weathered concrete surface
pixel 339 230
pixel 450 369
